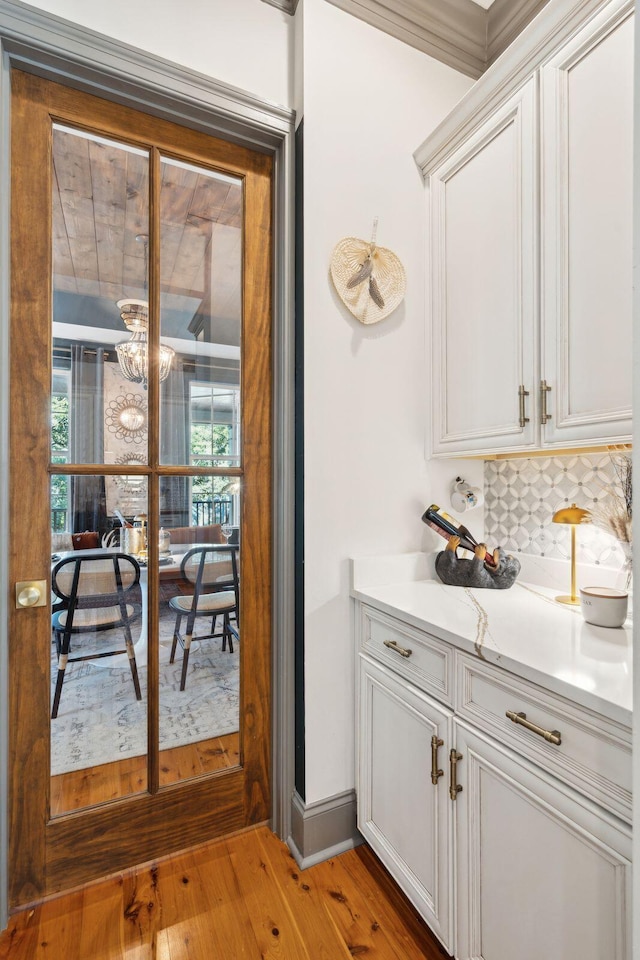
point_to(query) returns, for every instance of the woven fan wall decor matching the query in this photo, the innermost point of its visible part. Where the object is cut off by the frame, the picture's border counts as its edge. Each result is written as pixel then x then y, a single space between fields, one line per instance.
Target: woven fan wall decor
pixel 370 280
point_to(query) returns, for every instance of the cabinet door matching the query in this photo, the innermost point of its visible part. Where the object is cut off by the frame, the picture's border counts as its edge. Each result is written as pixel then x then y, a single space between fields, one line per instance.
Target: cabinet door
pixel 541 873
pixel 483 298
pixel 587 176
pixel 404 817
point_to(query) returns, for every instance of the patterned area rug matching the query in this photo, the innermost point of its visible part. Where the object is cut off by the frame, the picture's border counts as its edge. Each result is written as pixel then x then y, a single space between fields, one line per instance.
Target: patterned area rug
pixel 100 720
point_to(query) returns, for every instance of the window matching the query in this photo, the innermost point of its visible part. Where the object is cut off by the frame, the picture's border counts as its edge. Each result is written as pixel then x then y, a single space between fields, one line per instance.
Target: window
pixel 214 441
pixel 60 432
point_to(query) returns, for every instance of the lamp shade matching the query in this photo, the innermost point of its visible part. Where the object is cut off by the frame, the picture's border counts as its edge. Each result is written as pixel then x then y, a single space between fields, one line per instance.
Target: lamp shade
pixel 572 514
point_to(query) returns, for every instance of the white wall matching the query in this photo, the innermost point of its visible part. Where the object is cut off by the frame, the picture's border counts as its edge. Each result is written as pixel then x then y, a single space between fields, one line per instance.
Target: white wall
pixel 369 100
pixel 246 43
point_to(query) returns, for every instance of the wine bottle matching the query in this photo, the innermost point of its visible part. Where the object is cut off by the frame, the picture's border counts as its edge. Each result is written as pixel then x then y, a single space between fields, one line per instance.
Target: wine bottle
pixel 447 527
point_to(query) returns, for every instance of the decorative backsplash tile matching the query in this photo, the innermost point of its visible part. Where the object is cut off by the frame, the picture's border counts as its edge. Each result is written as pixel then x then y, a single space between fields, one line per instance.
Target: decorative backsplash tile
pixel 521 497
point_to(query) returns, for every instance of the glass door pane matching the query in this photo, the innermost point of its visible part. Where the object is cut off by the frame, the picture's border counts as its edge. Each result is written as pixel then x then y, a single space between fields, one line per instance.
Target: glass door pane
pixel 201 316
pixel 98 708
pixel 100 281
pixel 199 641
pixel 99 415
pixel 201 320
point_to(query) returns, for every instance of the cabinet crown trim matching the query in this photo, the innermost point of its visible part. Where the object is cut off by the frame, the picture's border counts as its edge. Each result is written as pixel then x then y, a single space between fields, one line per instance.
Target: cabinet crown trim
pixel 537 43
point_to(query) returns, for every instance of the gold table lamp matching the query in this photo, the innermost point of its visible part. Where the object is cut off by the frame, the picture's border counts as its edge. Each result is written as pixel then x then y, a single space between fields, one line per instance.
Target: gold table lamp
pixel 572 515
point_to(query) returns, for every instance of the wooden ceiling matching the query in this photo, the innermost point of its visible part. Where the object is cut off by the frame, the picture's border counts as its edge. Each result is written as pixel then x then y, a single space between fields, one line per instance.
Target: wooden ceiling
pixel 100 207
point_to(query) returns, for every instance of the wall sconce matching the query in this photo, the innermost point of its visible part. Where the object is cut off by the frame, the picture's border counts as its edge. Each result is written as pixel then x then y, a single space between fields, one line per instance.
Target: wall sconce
pixel 572 515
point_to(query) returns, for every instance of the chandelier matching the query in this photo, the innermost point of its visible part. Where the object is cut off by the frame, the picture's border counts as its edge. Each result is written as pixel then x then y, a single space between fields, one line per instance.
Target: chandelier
pixel 133 354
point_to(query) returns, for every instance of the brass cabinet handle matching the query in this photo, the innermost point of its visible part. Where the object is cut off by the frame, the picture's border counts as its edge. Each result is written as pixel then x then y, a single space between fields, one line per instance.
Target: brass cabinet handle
pixel 544 390
pixel 394 645
pixel 435 773
pixel 522 393
pixel 551 736
pixel 454 786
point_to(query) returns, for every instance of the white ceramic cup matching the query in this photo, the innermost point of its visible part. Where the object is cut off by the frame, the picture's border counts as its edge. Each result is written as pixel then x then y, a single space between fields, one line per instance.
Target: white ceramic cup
pixel 604 606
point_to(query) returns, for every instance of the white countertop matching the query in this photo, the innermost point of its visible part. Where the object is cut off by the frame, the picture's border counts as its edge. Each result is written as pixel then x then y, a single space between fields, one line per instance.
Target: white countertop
pixel 521 629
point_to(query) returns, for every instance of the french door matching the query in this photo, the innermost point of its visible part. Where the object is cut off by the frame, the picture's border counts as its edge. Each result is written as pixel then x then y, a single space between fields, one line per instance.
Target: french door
pixel 140 427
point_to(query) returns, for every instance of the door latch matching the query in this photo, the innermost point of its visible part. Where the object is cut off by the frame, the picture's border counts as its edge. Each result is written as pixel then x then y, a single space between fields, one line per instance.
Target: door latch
pixel 31 593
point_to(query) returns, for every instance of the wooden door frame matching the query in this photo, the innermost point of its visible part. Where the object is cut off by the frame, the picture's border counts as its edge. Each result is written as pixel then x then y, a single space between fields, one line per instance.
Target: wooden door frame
pixel 37 42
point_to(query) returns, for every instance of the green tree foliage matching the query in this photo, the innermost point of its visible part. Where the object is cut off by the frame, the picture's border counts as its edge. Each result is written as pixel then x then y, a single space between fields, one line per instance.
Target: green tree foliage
pixel 209 442
pixel 60 424
pixel 59 451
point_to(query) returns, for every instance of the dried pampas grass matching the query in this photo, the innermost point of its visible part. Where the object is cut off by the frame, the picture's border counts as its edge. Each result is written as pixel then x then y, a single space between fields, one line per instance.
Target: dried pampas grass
pixel 612 519
pixel 615 513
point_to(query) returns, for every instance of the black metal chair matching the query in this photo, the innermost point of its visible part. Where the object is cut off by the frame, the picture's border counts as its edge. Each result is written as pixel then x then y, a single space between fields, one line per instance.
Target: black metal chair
pixel 212 569
pixel 95 589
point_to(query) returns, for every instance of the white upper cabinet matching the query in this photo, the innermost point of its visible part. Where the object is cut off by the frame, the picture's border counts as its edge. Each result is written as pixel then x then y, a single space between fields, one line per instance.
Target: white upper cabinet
pixel 483 282
pixel 530 206
pixel 586 191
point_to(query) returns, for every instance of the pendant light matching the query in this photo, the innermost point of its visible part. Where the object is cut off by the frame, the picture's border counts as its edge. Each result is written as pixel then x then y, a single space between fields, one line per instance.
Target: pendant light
pixel 133 354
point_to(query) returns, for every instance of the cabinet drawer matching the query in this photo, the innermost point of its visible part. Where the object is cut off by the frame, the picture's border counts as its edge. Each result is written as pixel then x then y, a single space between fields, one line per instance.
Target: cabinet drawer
pixel 594 754
pixel 413 654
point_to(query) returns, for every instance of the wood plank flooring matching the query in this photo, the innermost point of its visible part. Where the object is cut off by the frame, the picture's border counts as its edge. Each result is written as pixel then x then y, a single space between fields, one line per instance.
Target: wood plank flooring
pixel 241 897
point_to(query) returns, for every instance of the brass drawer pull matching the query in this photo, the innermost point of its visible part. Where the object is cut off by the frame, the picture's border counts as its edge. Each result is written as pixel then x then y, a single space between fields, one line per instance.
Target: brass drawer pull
pixel 454 786
pixel 551 736
pixel 394 645
pixel 435 773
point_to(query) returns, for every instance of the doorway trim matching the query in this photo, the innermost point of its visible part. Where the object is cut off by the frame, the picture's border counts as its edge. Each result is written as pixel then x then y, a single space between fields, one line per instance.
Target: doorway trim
pixel 41 43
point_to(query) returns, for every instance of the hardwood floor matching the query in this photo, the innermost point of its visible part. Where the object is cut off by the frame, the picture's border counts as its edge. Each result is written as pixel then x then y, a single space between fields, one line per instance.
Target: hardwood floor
pixel 122 778
pixel 242 897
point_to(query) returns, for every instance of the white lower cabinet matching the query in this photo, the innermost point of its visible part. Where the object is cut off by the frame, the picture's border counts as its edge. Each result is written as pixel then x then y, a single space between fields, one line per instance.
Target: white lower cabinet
pixel 405 818
pixel 502 856
pixel 540 872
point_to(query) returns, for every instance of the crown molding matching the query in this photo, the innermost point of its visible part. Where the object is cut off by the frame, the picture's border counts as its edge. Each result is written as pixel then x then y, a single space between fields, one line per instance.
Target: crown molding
pixel 287 6
pixel 505 21
pixel 453 32
pixel 459 33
